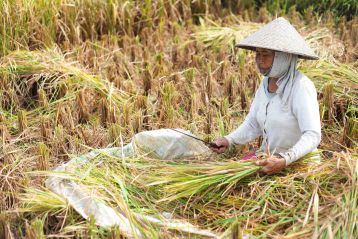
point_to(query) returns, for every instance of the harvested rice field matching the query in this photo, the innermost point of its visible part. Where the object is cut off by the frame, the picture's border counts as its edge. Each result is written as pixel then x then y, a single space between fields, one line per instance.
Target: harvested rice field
pixel 77 76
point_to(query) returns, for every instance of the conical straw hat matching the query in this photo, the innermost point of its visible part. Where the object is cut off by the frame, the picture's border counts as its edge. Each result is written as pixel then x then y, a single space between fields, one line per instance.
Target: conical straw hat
pixel 279 35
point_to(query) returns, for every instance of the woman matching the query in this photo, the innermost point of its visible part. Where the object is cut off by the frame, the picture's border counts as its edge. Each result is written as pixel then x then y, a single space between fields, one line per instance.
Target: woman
pixel 285 109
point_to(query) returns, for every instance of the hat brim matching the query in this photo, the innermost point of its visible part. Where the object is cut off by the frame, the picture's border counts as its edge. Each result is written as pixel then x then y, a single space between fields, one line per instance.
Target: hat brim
pixel 300 55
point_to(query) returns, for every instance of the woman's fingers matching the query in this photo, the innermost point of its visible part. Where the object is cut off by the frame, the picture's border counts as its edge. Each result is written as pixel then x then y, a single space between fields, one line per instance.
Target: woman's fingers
pixel 216 150
pixel 219 149
pixel 262 162
pixel 271 165
pixel 222 144
pixel 222 149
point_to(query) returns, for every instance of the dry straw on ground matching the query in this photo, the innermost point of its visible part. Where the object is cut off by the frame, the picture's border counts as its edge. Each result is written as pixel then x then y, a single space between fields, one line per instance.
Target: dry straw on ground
pixel 77 75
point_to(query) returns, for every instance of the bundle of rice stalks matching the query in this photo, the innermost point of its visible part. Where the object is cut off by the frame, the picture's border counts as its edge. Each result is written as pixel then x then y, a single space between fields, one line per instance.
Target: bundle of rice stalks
pixel 344 77
pixel 216 36
pixel 325 43
pixel 189 179
pixel 46 77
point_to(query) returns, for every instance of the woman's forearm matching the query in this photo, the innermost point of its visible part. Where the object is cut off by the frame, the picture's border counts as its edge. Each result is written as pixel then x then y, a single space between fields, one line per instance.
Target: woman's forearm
pixel 307 143
pixel 248 131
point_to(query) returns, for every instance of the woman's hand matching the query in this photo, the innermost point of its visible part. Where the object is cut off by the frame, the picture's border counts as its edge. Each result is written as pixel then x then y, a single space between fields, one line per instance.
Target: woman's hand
pixel 222 144
pixel 271 165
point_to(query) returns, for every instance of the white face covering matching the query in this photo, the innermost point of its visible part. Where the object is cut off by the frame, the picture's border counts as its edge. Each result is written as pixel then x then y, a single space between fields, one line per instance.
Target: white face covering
pixel 283 68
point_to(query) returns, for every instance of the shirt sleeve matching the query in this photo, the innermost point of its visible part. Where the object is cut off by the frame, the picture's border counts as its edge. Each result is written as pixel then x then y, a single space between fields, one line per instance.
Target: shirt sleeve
pixel 305 108
pixel 249 129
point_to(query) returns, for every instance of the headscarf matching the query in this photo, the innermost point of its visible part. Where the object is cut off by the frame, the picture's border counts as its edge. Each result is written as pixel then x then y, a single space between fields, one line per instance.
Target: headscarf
pixel 283 68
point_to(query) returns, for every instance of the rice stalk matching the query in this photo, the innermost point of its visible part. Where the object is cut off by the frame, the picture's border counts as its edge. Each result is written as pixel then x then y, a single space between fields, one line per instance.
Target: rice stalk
pixel 44 154
pixel 41 200
pixel 168 97
pixel 35 230
pixel 5 229
pixel 350 134
pixel 43 101
pixel 46 128
pixel 4 134
pixel 115 135
pixel 64 116
pixel 83 108
pixel 22 120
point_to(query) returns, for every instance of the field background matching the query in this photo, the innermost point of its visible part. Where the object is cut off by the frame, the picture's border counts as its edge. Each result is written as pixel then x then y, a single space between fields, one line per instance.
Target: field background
pixel 81 74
